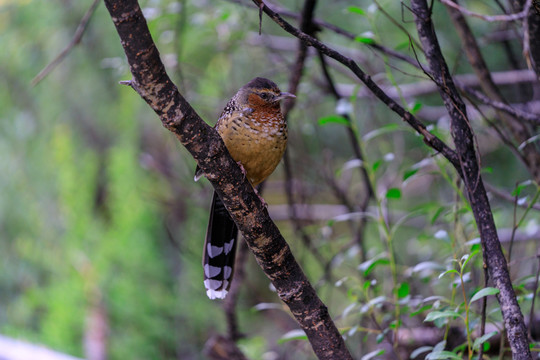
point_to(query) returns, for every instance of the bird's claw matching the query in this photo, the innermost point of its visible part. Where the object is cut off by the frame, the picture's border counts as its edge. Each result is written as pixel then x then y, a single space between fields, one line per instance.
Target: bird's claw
pixel 244 172
pixel 261 198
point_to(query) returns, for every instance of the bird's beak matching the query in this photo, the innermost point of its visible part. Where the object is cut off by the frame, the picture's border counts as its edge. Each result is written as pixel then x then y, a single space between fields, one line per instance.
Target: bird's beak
pixel 286 95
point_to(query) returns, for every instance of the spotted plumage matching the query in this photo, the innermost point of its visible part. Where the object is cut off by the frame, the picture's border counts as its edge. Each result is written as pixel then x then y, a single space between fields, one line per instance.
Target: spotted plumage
pixel 255 133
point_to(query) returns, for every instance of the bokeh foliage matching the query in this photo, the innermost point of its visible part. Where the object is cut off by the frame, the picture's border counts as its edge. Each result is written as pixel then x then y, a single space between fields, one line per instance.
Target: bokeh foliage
pixel 98 209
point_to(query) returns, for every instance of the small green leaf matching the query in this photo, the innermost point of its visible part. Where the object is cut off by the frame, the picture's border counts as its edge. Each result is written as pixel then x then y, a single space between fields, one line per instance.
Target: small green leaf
pixel 434 315
pixel 373 354
pixel 443 355
pixel 409 173
pixel 333 119
pixel 520 187
pixel 370 264
pixel 364 40
pixel 468 258
pixel 393 193
pixel 356 10
pixel 296 334
pixel 451 271
pixel 420 350
pixel 376 165
pixel 421 310
pixel 404 290
pixel 438 213
pixel 416 107
pixel 484 292
pixel 479 341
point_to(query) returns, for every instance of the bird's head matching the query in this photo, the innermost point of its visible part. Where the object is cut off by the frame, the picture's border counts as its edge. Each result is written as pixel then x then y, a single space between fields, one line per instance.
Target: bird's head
pixel 261 92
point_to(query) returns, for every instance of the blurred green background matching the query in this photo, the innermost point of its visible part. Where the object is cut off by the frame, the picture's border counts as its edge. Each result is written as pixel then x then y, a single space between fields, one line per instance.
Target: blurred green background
pixel 102 226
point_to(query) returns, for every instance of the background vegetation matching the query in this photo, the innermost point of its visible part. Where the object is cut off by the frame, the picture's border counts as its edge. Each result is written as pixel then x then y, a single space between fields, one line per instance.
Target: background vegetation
pixel 101 225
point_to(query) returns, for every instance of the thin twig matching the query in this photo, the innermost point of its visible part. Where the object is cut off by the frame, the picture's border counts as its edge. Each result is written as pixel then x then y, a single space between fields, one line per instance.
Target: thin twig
pixel 506 196
pixel 74 41
pixel 490 18
pixel 510 110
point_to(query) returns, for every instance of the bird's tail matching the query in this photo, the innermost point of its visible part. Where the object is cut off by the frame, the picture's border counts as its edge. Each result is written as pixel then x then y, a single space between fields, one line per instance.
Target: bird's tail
pixel 219 250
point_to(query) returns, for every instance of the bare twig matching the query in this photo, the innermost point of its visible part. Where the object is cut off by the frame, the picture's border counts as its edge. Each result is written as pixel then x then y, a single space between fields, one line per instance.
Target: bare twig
pixel 74 41
pixel 502 106
pixel 490 18
pixel 508 197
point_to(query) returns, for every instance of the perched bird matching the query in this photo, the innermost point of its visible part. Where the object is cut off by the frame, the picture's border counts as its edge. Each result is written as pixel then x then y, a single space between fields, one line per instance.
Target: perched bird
pixel 255 133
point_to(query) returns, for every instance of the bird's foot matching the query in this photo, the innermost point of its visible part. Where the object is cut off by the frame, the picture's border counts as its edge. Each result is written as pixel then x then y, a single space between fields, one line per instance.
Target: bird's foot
pixel 261 198
pixel 243 169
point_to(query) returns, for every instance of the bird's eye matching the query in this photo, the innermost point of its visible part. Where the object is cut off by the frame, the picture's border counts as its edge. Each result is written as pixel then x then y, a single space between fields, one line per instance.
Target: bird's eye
pixel 265 96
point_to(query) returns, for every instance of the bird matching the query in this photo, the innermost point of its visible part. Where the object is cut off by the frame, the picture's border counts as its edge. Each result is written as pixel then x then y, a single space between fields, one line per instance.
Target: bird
pixel 254 131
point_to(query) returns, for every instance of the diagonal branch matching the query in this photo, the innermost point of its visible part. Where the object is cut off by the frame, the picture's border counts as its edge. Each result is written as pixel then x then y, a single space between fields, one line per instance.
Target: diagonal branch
pixel 74 41
pixel 465 147
pixel 262 236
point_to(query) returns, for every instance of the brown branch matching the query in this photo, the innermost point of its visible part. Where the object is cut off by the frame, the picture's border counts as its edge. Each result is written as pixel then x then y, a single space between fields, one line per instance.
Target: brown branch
pixel 465 147
pixel 74 41
pixel 263 237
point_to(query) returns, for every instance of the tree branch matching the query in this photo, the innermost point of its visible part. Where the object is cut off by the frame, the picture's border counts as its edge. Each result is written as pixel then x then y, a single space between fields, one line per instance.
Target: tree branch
pixel 465 147
pixel 269 247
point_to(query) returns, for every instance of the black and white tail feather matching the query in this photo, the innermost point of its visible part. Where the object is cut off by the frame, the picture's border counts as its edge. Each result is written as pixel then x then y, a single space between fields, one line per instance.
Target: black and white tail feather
pixel 219 250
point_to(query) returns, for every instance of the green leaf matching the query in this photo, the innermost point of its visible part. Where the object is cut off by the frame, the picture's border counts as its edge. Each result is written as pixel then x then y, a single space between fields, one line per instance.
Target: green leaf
pixel 404 290
pixel 421 310
pixel 370 264
pixel 364 40
pixel 451 271
pixel 438 213
pixel 434 315
pixel 484 292
pixel 409 173
pixel 393 193
pixel 376 165
pixel 443 355
pixel 416 107
pixel 420 350
pixel 520 187
pixel 356 10
pixel 373 354
pixel 333 119
pixel 467 259
pixel 296 334
pixel 479 341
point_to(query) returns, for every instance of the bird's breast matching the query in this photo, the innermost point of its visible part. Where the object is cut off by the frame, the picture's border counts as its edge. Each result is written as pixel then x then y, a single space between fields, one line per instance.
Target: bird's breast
pixel 257 142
